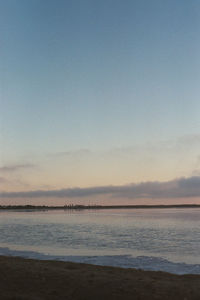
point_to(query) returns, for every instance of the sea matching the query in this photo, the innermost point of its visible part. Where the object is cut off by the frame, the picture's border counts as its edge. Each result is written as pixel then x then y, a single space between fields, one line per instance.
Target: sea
pixel 149 239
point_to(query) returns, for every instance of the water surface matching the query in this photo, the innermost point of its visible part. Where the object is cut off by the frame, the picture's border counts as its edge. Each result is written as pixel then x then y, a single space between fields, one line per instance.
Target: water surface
pixel 127 237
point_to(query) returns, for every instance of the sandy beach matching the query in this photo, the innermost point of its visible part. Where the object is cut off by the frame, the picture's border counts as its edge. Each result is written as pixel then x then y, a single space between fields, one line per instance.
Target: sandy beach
pixel 29 279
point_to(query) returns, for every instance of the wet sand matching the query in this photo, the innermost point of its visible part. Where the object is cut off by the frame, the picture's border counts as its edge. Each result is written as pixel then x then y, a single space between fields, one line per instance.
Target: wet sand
pixel 29 279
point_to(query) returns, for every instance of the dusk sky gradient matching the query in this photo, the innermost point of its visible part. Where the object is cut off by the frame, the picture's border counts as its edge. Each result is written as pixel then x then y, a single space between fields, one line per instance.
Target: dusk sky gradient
pixel 99 94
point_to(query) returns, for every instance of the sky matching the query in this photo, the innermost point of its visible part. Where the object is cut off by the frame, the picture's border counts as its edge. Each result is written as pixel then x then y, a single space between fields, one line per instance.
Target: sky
pixel 99 101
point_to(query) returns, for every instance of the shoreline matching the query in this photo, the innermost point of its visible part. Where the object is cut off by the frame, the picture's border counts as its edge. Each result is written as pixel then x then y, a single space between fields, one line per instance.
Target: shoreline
pixel 127 261
pixel 22 278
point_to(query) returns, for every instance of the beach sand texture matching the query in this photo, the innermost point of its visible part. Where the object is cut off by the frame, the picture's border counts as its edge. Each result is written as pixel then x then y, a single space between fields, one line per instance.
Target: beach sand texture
pixel 29 279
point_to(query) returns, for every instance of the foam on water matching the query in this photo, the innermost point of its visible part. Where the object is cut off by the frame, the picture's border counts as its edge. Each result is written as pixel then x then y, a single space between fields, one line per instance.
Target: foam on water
pixel 124 261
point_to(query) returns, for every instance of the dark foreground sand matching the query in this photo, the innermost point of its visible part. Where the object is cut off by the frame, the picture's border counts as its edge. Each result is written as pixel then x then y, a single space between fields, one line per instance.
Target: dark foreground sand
pixel 28 279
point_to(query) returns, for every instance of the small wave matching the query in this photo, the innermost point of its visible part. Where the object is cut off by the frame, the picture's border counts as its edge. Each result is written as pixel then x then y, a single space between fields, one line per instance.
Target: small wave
pixel 125 261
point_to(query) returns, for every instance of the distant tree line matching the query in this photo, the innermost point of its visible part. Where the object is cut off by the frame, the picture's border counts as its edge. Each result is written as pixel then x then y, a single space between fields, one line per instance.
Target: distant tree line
pixel 79 206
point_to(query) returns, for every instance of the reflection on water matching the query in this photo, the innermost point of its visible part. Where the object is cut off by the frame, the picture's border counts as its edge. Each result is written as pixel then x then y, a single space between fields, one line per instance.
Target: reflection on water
pixel 173 234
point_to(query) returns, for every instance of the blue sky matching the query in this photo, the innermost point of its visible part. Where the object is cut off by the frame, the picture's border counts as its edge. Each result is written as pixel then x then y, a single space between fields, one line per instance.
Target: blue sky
pixel 98 92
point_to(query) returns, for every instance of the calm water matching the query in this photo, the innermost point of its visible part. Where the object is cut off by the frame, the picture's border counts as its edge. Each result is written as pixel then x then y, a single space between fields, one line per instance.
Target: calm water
pixel 151 239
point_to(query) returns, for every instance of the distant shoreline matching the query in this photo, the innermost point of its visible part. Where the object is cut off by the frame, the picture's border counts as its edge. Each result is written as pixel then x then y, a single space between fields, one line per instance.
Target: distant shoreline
pixel 94 207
